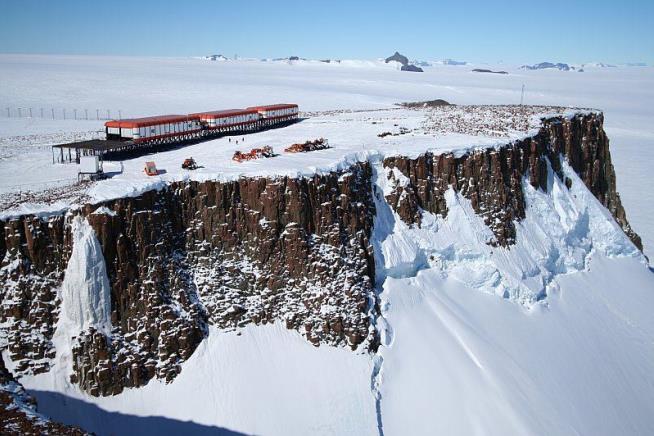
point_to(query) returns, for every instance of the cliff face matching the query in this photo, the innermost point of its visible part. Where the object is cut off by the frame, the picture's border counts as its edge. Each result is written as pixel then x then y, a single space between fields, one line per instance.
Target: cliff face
pixel 492 178
pixel 227 254
pixel 258 251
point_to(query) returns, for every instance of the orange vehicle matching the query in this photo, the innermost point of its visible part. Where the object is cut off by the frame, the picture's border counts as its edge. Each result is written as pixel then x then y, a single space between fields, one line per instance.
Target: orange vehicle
pixel 189 164
pixel 316 144
pixel 255 153
pixel 151 169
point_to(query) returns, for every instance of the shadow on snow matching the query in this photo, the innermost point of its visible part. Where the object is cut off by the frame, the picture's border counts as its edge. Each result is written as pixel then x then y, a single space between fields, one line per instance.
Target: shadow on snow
pixel 90 417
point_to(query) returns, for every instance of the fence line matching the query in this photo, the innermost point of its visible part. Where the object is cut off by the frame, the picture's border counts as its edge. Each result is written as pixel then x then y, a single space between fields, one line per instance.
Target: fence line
pixel 52 113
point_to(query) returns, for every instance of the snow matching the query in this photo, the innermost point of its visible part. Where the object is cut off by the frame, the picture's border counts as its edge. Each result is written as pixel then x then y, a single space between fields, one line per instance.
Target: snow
pixel 462 362
pixel 552 336
pixel 561 230
pixel 263 380
pixel 85 294
pixel 460 358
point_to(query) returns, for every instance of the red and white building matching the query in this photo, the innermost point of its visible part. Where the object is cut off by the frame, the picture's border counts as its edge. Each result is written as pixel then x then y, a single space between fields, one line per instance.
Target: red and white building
pixel 161 128
pixel 229 120
pixel 175 128
pixel 277 113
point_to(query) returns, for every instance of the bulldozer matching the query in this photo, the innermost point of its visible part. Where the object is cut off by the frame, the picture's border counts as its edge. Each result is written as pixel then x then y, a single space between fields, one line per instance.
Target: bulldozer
pixel 189 164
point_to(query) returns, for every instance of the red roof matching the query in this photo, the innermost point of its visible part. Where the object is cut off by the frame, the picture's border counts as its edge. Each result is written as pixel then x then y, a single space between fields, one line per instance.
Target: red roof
pixel 273 107
pixel 150 121
pixel 224 113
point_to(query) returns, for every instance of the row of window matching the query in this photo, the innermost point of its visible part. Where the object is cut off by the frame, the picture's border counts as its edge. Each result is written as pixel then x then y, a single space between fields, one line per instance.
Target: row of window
pixel 185 126
pixel 232 120
pixel 281 112
pixel 159 129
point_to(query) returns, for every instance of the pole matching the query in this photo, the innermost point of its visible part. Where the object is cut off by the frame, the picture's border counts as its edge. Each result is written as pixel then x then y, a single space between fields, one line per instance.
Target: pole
pixel 75 112
pixel 64 112
pixel 522 95
pixel 97 114
pixel 52 113
pixel 86 114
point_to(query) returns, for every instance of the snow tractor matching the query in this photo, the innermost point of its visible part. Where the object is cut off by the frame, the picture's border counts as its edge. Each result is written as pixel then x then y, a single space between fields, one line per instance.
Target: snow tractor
pixel 189 164
pixel 151 169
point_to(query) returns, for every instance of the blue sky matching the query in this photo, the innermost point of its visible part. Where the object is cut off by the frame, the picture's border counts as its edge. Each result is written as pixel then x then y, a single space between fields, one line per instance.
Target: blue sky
pixel 510 31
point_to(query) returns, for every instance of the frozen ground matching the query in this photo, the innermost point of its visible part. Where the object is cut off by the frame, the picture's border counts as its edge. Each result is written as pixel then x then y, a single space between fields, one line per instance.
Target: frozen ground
pixel 461 355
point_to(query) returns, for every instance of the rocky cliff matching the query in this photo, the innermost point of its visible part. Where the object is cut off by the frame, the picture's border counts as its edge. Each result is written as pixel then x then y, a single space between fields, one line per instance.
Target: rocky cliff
pixel 492 178
pixel 179 259
pixel 259 250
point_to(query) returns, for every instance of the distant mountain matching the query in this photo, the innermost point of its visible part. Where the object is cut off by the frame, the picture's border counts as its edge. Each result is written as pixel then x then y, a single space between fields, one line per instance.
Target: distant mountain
pixel 635 64
pixel 397 57
pixel 412 68
pixel 484 70
pixel 421 63
pixel 548 65
pixel 216 57
pixel 452 62
pixel 597 65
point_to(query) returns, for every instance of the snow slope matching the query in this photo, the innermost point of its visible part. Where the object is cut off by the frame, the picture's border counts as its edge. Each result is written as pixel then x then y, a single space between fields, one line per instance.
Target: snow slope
pixel 263 380
pixel 561 231
pixel 462 362
pixel 573 358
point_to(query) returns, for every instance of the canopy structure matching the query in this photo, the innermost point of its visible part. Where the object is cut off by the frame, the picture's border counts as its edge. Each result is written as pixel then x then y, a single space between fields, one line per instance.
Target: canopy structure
pixel 72 151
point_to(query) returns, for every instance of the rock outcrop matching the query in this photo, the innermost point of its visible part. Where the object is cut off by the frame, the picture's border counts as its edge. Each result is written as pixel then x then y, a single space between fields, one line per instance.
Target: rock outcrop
pixel 491 178
pixel 548 65
pixel 412 68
